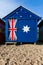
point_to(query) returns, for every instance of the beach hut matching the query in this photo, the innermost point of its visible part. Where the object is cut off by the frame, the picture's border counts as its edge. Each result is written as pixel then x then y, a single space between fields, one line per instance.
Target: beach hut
pixel 41 31
pixel 2 32
pixel 21 25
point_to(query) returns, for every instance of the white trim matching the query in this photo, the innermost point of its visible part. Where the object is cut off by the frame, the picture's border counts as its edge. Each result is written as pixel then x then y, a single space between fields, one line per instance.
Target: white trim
pixel 39 22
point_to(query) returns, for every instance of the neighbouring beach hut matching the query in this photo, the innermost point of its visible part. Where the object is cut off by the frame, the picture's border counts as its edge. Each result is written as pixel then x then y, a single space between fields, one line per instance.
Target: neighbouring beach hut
pixel 21 25
pixel 41 31
pixel 2 31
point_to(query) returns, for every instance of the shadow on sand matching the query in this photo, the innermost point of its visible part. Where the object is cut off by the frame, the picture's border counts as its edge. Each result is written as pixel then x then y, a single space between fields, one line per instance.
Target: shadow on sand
pixel 21 43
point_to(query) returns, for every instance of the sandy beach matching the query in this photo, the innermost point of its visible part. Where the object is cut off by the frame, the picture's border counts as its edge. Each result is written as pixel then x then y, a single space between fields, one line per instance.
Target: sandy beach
pixel 27 54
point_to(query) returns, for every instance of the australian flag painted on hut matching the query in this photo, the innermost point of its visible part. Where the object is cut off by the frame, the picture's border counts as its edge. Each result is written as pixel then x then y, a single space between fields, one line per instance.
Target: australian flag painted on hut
pixel 21 25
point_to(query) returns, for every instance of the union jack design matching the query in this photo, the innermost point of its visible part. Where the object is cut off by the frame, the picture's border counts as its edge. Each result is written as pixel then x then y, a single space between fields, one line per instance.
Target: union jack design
pixel 12 29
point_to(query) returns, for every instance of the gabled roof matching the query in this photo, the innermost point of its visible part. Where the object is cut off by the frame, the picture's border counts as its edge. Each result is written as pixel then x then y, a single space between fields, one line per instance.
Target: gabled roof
pixel 40 24
pixel 22 12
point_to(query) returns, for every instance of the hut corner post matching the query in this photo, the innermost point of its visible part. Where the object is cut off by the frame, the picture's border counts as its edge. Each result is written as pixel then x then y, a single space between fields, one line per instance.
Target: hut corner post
pixel 35 43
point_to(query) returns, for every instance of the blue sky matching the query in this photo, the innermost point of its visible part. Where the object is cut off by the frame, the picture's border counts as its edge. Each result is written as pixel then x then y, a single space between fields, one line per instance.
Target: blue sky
pixel 7 6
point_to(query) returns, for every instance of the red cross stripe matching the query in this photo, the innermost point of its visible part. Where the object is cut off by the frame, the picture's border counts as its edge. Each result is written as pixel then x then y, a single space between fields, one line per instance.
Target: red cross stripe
pixel 12 29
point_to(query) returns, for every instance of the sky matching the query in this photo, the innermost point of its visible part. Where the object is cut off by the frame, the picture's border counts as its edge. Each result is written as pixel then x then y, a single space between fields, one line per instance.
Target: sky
pixel 7 6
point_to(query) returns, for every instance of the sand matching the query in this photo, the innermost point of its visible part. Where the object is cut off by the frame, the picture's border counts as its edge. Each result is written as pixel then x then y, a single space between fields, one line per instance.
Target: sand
pixel 27 54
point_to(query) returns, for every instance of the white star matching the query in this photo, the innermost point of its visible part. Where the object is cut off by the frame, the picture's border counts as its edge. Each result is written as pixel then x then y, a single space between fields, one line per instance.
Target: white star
pixel 30 15
pixel 16 12
pixel 20 16
pixel 21 9
pixel 26 28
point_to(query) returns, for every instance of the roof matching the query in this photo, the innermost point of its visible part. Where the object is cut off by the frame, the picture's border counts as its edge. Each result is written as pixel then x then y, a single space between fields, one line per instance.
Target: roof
pixel 40 24
pixel 2 22
pixel 21 13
